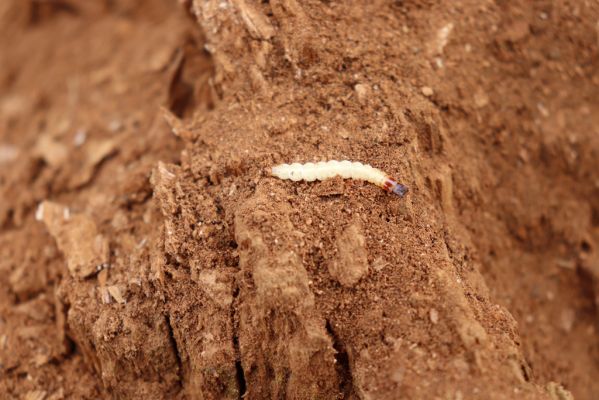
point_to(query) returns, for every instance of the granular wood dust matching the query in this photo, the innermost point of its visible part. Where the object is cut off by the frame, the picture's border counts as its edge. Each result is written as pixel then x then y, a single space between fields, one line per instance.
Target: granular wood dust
pixel 147 252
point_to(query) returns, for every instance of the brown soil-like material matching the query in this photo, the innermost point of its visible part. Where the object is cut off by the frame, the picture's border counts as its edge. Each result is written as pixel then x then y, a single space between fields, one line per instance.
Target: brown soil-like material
pixel 146 252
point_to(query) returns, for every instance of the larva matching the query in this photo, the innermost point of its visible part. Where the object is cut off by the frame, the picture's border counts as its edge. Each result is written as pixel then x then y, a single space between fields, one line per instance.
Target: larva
pixel 345 169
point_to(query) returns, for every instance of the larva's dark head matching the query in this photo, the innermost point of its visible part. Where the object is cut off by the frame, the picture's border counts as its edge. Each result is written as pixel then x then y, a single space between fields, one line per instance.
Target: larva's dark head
pixel 393 186
pixel 400 189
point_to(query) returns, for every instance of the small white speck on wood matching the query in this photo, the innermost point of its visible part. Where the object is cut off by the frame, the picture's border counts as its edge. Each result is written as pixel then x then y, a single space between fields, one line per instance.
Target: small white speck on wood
pixel 39 212
pixel 434 316
pixel 567 319
pixel 362 91
pixel 481 99
pixel 543 110
pixel 8 153
pixel 443 37
pixel 427 91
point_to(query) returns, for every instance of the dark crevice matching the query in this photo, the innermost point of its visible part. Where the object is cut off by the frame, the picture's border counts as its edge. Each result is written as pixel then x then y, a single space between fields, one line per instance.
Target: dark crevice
pixel 240 376
pixel 42 11
pixel 525 371
pixel 191 71
pixel 346 382
pixel 239 372
pixel 175 348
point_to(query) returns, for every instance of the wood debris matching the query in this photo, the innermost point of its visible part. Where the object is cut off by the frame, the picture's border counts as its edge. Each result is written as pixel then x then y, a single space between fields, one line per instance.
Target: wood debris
pixel 77 238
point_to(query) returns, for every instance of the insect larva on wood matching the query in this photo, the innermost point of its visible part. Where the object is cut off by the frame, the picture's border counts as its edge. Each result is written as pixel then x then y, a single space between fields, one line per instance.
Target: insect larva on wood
pixel 345 169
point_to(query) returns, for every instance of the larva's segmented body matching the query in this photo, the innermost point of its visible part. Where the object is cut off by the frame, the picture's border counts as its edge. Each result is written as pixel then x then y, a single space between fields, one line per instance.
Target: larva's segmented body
pixel 345 169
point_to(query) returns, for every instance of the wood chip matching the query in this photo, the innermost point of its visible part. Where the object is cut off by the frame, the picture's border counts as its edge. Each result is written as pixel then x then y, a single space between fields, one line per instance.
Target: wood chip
pixel 434 315
pixel 427 91
pixel 115 292
pixel 177 126
pixel 77 238
pixel 379 264
pixel 362 91
pixel 95 152
pixel 105 295
pixel 51 151
pixel 103 277
pixel 35 395
pixel 256 23
pixel 41 359
pixel 351 263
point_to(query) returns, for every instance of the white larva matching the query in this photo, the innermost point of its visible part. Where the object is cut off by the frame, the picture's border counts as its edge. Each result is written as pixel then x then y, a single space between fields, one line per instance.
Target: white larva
pixel 345 169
